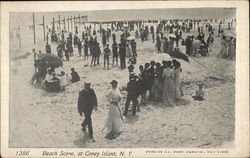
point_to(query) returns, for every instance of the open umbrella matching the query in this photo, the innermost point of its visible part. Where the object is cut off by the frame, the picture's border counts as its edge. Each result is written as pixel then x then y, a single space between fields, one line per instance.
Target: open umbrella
pixel 179 55
pixel 172 36
pixel 50 59
pixel 131 38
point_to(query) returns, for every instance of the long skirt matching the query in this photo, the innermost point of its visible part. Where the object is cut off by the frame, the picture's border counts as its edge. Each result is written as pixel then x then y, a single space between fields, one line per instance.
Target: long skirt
pixel 231 52
pixel 155 89
pixel 223 53
pixel 168 96
pixel 114 122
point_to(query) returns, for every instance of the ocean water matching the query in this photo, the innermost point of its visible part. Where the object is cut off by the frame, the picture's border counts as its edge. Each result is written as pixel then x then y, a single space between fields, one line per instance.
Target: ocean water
pixel 25 19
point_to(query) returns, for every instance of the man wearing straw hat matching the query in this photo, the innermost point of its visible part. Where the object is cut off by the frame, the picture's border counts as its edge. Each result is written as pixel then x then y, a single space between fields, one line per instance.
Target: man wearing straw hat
pixel 87 101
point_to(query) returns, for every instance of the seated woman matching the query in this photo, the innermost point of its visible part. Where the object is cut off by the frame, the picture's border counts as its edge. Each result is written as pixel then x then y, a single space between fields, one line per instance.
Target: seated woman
pixel 52 83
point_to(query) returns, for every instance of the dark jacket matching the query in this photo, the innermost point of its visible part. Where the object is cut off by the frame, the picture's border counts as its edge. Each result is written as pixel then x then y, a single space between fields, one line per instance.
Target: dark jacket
pixel 115 49
pixel 75 77
pixel 133 88
pixel 87 100
pixel 122 50
pixel 48 49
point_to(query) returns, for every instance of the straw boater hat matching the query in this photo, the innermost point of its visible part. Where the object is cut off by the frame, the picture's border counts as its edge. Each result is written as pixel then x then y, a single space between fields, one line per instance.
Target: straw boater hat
pixel 87 83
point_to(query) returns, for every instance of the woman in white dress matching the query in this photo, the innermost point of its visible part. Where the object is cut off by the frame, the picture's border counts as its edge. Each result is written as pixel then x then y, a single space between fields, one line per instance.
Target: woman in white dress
pixel 128 51
pixel 114 122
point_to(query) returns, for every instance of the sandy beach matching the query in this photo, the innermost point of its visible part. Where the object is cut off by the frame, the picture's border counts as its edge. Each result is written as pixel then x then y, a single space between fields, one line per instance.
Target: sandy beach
pixel 42 119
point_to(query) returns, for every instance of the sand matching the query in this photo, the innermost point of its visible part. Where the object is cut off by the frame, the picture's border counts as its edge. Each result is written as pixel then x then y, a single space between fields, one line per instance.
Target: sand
pixel 42 119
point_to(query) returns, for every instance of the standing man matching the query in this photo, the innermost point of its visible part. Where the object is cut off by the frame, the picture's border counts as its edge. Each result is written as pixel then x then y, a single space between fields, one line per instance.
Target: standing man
pixel 86 47
pixel 122 53
pixel 83 36
pixel 87 101
pixel 153 33
pixel 79 46
pixel 132 89
pixel 104 38
pixel 48 48
pixel 114 37
pixel 115 52
pixel 158 44
pixel 188 44
pixel 59 51
pixel 133 47
pixel 98 53
pixel 106 54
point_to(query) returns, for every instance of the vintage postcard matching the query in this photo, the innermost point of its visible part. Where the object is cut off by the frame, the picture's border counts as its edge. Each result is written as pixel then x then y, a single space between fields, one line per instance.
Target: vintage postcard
pixel 125 79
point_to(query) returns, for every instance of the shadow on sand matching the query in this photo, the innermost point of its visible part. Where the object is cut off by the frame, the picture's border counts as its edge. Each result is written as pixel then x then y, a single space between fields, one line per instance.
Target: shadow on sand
pixel 130 119
pixel 82 141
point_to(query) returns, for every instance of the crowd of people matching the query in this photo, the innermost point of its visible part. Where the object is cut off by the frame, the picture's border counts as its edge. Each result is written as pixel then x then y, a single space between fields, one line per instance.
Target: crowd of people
pixel 156 81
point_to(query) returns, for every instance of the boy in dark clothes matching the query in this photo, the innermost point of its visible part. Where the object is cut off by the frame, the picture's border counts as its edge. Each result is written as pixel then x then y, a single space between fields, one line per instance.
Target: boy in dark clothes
pixel 115 52
pixel 74 75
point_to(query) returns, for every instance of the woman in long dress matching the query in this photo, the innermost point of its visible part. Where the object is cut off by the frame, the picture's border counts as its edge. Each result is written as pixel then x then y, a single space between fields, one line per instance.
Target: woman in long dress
pixel 168 96
pixel 157 79
pixel 177 71
pixel 170 46
pixel 128 51
pixel 230 48
pixel 165 45
pixel 114 123
pixel 178 85
pixel 223 53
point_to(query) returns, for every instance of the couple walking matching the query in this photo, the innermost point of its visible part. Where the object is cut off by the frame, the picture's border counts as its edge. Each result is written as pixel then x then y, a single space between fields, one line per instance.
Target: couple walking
pixel 87 102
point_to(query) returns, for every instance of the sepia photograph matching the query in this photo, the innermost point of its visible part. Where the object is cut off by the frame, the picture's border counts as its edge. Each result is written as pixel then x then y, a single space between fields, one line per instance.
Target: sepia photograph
pixel 122 78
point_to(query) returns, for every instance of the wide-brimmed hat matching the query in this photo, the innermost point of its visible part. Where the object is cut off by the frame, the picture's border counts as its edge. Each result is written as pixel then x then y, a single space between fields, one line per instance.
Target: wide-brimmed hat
pixel 87 83
pixel 132 78
pixel 114 82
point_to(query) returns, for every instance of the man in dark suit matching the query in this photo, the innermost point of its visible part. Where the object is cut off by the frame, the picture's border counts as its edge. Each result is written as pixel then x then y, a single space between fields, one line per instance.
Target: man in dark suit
pixel 48 48
pixel 115 52
pixel 87 101
pixel 133 92
pixel 122 53
pixel 150 72
pixel 79 46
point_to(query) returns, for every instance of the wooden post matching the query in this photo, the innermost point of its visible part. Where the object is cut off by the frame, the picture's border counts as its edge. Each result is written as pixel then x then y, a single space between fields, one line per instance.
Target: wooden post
pixel 44 36
pixel 20 42
pixel 64 23
pixel 71 22
pixel 74 23
pixel 79 17
pixel 34 25
pixel 53 25
pixel 68 23
pixel 59 23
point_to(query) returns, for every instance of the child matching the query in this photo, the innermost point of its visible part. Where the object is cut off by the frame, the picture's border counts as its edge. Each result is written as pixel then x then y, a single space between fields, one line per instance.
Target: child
pixel 132 60
pixel 63 80
pixel 199 93
pixel 74 76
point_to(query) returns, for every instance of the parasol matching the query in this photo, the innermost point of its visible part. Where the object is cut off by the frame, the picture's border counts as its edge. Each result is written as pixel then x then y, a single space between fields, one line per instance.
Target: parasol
pixel 172 36
pixel 131 38
pixel 179 55
pixel 51 60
